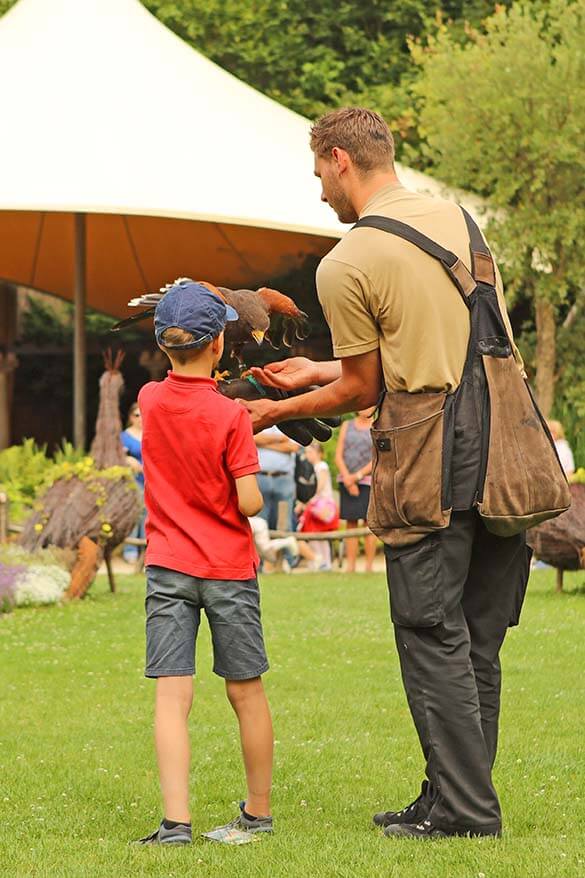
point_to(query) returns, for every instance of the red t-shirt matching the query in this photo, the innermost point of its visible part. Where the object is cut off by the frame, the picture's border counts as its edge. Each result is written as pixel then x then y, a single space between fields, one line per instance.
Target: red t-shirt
pixel 195 443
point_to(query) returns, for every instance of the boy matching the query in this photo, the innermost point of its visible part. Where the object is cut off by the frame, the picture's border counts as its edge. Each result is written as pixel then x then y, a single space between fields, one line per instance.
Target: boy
pixel 200 462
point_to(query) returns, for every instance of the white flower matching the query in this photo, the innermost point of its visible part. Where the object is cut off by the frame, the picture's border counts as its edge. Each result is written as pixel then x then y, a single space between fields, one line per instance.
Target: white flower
pixel 41 584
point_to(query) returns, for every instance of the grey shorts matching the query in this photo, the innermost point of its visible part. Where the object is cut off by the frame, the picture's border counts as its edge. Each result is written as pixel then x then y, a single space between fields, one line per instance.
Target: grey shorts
pixel 173 611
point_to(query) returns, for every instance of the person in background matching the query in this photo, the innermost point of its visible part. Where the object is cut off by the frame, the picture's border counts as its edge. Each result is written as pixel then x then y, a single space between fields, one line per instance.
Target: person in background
pixel 131 439
pixel 353 457
pixel 320 513
pixel 276 453
pixel 270 550
pixel 562 446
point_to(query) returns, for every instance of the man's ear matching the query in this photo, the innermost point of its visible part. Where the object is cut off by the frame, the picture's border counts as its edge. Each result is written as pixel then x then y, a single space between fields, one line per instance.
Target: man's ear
pixel 341 159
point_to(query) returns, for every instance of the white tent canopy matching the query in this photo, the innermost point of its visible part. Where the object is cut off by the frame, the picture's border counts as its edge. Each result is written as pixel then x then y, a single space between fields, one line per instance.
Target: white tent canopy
pixel 104 109
pixel 127 158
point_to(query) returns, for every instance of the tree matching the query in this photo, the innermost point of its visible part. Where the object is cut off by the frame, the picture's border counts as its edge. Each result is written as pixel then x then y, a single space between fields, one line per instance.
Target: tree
pixel 504 116
pixel 315 57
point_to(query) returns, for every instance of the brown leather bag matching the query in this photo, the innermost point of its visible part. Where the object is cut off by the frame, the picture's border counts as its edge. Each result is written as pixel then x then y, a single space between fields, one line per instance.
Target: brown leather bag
pixel 407 497
pixel 518 480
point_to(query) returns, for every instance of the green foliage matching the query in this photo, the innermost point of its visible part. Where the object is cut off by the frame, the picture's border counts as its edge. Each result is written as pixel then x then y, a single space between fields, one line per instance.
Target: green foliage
pixel 569 407
pixel 26 472
pixel 504 116
pixel 23 469
pixel 333 52
pixel 314 57
pixel 68 453
pixel 330 49
pixel 47 323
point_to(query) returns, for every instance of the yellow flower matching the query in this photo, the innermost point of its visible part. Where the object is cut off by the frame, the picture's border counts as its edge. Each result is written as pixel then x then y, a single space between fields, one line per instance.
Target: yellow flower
pixel 38 527
pixel 107 528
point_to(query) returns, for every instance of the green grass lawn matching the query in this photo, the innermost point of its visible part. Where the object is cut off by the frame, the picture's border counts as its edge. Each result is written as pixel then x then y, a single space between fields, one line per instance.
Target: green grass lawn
pixel 77 770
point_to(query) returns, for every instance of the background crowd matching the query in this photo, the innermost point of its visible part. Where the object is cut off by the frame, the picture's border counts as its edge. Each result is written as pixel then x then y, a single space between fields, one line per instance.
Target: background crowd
pixel 313 490
pixel 316 490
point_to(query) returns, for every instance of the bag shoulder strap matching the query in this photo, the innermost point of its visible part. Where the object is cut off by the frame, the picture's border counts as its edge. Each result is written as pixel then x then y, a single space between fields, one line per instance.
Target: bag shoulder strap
pixel 454 267
pixel 482 264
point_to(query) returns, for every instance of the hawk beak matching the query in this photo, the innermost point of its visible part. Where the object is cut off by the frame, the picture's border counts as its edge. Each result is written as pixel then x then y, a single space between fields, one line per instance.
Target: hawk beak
pixel 258 336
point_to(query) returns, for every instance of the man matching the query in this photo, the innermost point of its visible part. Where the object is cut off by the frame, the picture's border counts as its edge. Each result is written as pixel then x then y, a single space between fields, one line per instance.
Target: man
pixel 398 323
pixel 276 479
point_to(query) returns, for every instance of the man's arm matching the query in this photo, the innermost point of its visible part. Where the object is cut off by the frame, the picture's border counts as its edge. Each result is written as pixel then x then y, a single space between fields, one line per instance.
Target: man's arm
pixel 297 372
pixel 276 443
pixel 358 387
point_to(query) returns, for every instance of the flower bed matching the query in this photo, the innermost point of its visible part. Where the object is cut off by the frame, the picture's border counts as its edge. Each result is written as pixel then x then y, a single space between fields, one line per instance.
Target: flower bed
pixel 32 579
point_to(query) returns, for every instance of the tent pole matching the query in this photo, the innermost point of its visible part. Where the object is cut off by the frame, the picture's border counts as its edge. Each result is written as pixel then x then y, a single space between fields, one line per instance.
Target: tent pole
pixel 79 339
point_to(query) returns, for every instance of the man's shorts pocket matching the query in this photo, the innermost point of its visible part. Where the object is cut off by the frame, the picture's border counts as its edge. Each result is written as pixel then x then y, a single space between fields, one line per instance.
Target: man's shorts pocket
pixel 415 585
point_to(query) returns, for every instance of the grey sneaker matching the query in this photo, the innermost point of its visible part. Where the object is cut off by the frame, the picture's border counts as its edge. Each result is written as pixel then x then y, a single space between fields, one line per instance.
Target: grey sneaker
pixel 180 834
pixel 241 830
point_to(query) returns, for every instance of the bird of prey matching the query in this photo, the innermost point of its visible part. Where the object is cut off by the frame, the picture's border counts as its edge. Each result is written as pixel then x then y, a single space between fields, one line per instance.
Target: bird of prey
pixel 255 309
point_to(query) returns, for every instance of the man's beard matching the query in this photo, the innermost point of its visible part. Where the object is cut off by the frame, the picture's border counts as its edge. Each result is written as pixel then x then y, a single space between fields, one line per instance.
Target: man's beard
pixel 338 200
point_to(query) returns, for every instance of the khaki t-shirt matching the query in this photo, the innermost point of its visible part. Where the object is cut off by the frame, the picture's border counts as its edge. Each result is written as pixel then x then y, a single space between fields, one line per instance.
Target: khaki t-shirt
pixel 379 291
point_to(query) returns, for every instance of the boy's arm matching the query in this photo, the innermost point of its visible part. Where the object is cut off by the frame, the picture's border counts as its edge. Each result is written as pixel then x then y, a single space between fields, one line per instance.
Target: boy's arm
pixel 242 462
pixel 250 500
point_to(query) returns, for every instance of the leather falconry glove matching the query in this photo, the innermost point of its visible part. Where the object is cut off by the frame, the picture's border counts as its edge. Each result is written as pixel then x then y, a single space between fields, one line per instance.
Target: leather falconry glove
pixel 303 431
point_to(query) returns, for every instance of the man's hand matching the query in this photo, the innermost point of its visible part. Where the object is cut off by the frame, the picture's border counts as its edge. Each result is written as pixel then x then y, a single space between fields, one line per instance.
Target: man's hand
pixel 276 443
pixel 263 413
pixel 297 373
pixel 289 374
pixel 357 387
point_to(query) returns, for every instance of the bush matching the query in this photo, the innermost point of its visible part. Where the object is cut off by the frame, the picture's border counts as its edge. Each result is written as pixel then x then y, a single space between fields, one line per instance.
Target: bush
pixel 26 472
pixel 23 468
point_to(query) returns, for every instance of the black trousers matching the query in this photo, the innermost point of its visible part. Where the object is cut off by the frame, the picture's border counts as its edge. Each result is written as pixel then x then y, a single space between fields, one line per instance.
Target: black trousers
pixel 453 596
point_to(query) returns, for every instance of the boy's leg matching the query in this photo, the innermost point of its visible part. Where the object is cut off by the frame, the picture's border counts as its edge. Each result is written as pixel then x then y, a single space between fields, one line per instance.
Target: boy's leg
pixel 172 622
pixel 248 699
pixel 233 611
pixel 174 696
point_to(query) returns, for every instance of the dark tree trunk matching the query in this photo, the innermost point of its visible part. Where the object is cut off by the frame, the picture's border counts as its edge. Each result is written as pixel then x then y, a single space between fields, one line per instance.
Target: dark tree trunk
pixel 546 354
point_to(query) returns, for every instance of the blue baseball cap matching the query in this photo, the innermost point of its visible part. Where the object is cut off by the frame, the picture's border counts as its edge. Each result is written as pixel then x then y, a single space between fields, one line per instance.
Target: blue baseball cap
pixel 194 308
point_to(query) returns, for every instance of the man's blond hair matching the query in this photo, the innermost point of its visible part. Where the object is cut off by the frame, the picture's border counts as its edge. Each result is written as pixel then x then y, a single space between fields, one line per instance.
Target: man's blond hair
pixel 174 336
pixel 362 133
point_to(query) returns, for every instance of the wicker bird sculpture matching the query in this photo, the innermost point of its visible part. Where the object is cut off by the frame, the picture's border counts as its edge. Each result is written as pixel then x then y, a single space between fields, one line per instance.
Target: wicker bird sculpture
pixel 255 309
pixel 560 541
pixel 93 506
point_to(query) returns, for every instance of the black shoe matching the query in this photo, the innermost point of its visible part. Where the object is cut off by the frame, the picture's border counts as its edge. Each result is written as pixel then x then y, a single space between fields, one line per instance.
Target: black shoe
pixel 413 813
pixel 426 830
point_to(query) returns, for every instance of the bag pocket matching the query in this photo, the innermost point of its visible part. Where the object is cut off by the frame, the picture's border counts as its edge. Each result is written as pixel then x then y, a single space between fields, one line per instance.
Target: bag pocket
pixel 412 446
pixel 415 585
